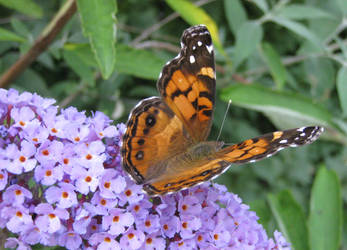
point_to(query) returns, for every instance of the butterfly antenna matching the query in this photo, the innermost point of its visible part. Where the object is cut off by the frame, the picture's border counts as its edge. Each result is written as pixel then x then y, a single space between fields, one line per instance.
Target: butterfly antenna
pixel 225 116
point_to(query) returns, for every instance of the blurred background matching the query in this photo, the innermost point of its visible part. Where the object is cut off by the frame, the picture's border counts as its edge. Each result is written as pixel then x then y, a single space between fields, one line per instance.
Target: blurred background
pixel 282 63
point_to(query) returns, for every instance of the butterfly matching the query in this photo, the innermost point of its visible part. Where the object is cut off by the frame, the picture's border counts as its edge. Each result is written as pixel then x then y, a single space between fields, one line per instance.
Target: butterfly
pixel 164 146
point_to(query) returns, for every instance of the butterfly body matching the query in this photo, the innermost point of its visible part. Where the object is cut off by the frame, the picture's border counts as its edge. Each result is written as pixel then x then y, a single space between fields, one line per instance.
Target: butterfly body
pixel 165 145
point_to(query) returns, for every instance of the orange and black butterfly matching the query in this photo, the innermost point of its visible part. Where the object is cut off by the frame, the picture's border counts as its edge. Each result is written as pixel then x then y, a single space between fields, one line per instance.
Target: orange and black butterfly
pixel 164 146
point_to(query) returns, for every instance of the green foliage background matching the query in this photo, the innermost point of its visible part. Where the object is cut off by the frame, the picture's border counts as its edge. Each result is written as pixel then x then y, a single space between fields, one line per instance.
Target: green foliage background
pixel 282 63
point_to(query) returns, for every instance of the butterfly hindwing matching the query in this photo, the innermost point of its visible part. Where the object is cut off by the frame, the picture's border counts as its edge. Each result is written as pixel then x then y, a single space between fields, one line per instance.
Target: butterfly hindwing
pixel 215 161
pixel 188 84
pixel 267 145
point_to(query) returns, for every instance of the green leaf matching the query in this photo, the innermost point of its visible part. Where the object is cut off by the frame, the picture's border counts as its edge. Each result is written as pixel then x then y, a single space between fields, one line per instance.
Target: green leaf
pixel 74 59
pixel 321 75
pixel 27 7
pixel 342 88
pixel 343 6
pixel 83 52
pixel 235 14
pixel 277 69
pixel 140 63
pixel 325 219
pixel 298 29
pixel 259 98
pixel 20 27
pixel 248 37
pixel 31 81
pixel 300 11
pixel 290 218
pixel 286 110
pixel 262 4
pixel 97 17
pixel 195 15
pixel 6 35
pixel 263 212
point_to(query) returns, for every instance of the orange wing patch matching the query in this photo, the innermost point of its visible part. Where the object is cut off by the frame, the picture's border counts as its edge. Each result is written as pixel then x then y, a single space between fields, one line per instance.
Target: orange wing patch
pixel 192 100
pixel 188 83
pixel 207 71
pixel 267 145
pixel 153 134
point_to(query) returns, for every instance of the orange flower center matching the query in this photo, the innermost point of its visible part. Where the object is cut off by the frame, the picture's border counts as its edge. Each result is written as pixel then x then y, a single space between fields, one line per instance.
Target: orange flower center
pixel 51 216
pixel 107 184
pixel 22 158
pixel 128 193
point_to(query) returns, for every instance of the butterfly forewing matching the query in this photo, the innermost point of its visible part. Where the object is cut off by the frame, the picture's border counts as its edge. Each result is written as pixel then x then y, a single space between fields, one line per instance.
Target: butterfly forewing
pixel 154 133
pixel 188 84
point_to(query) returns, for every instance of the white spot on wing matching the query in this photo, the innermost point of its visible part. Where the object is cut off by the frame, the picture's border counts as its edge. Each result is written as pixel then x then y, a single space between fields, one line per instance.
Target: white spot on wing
pixel 283 141
pixel 209 48
pixel 194 48
pixel 199 43
pixel 192 59
pixel 301 129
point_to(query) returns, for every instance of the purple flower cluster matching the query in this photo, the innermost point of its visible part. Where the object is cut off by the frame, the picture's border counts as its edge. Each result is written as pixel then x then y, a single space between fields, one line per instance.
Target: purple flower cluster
pixel 61 183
